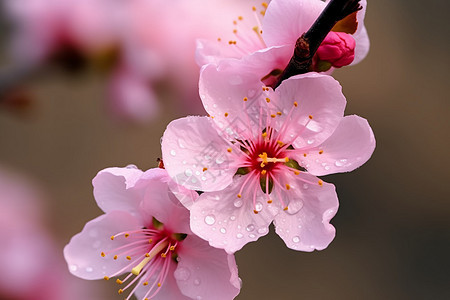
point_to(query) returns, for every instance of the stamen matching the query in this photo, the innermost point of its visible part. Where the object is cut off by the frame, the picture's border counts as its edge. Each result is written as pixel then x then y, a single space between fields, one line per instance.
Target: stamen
pixel 155 250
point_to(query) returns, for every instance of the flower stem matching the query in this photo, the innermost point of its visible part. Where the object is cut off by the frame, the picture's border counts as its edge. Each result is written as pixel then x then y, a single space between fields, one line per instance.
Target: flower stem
pixel 307 45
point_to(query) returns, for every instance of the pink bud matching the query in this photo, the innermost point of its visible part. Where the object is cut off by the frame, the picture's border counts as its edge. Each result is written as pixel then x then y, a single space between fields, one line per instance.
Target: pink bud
pixel 337 48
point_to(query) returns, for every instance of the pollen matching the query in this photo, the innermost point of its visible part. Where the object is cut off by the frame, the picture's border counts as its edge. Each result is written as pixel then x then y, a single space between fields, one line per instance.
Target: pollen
pixel 103 254
pixel 295 103
pixel 145 283
pixel 127 235
pixel 106 278
pixel 321 152
pixel 255 211
pixel 268 100
pixel 129 257
pixel 263 172
pixel 118 281
pixel 304 154
pixel 286 159
pixel 279 113
pixel 112 238
pixel 286 208
pixel 288 187
pixel 115 257
pixel 226 114
pixel 269 201
pixel 273 115
pixel 320 182
pixel 310 117
pixel 205 169
pixel 120 291
pixel 240 18
pixel 245 99
pixel 229 150
pixel 239 195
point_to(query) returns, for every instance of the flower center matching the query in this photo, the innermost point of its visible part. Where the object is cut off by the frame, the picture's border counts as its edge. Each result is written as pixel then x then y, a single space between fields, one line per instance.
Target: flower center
pixel 150 252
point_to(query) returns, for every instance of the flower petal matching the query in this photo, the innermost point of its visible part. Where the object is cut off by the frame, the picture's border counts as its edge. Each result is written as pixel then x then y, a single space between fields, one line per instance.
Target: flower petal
pixel 229 222
pixel 321 107
pixel 204 272
pixel 83 251
pixel 112 189
pixel 350 146
pixel 309 228
pixel 285 21
pixel 160 202
pixel 196 156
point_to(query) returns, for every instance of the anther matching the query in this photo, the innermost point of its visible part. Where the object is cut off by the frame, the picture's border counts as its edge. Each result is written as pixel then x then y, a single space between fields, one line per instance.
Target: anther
pixel 127 235
pixel 226 114
pixel 320 182
pixel 279 113
pixel 205 169
pixel 286 208
pixel 118 281
pixel 115 257
pixel 280 143
pixel 229 150
pixel 150 241
pixel 163 255
pixel 304 154
pixel 296 172
pixel 106 278
pixel 103 254
pixel 295 103
pixel 263 172
pixel 269 201
pixel 112 238
pixel 240 18
pixel 286 159
pixel 321 151
pixel 255 211
pixel 120 291
pixel 288 187
pixel 245 99
pixel 129 257
pixel 239 195
pixel 145 283
pixel 268 100
pixel 159 284
pixel 273 115
pixel 310 117
pixel 172 248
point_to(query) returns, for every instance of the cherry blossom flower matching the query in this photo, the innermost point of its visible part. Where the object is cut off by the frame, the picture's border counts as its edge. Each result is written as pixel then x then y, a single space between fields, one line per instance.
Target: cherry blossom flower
pixel 145 234
pixel 257 155
pixel 275 29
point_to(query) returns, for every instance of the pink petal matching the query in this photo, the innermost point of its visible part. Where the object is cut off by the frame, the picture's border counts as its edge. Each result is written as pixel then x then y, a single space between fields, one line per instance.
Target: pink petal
pixel 169 288
pixel 192 144
pixel 159 202
pixel 285 21
pixel 112 189
pixel 350 146
pixel 83 251
pixel 309 228
pixel 362 45
pixel 318 96
pixel 229 222
pixel 204 272
pixel 213 51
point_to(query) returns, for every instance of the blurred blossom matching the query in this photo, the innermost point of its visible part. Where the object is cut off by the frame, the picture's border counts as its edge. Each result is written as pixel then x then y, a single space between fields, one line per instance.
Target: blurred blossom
pixel 153 40
pixel 32 266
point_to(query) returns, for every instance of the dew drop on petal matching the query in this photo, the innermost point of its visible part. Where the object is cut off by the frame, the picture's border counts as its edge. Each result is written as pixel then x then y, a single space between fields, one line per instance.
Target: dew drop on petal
pixel 73 268
pixel 250 227
pixel 232 218
pixel 296 239
pixel 262 230
pixel 173 153
pixel 220 160
pixel 131 166
pixel 188 172
pixel 89 270
pixel 239 235
pixel 238 203
pixel 310 142
pixel 258 206
pixel 181 143
pixel 197 281
pixel 223 230
pixel 327 168
pixel 251 235
pixel 210 219
pixel 340 163
pixel 182 274
pixel 305 186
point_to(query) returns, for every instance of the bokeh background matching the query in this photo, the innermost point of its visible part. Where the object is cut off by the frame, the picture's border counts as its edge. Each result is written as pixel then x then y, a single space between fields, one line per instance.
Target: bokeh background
pixel 393 228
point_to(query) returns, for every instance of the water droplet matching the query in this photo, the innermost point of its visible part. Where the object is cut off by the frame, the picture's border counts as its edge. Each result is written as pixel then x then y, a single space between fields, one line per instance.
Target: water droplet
pixel 327 168
pixel 181 143
pixel 197 173
pixel 89 270
pixel 173 153
pixel 182 274
pixel 238 203
pixel 73 268
pixel 194 180
pixel 258 206
pixel 305 186
pixel 296 239
pixel 210 219
pixel 310 142
pixel 232 218
pixel 215 105
pixel 250 227
pixel 262 230
pixel 197 281
pixel 239 235
pixel 251 235
pixel 184 162
pixel 220 160
pixel 223 230
pixel 207 157
pixel 131 166
pixel 340 163
pixel 203 178
pixel 188 172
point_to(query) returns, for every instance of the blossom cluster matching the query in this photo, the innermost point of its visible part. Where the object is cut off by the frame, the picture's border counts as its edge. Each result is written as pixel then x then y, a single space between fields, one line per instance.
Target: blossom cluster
pixel 225 177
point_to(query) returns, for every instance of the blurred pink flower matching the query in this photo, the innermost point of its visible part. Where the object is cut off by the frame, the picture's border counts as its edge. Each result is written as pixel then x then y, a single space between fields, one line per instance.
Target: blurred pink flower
pixel 256 158
pixel 145 233
pixel 274 30
pixel 31 267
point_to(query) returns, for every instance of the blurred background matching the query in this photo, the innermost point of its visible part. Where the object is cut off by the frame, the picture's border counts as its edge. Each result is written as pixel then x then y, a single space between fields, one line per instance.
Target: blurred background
pixel 59 128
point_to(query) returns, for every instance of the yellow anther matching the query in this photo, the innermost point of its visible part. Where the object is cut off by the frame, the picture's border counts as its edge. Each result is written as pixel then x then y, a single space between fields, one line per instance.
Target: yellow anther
pixel 155 250
pixel 245 99
pixel 115 257
pixel 239 195
pixel 254 8
pixel 106 278
pixel 103 254
pixel 264 134
pixel 235 22
pixel 269 201
pixel 150 241
pixel 172 248
pixel 163 255
pixel 286 208
pixel 320 182
pixel 304 154
pixel 295 103
pixel 129 257
pixel 219 39
pixel 288 187
pixel 296 172
pixel 255 211
pixel 229 150
pixel 234 31
pixel 263 172
pixel 310 117
pixel 240 18
pixel 205 169
pixel 264 4
pixel 263 13
pixel 268 100
pixel 263 157
pixel 118 281
pixel 273 115
pixel 321 151
pixel 112 238
pixel 279 113
pixel 127 235
pixel 147 255
pixel 226 114
pixel 145 283
pixel 280 143
pixel 286 159
pixel 120 291
pixel 159 284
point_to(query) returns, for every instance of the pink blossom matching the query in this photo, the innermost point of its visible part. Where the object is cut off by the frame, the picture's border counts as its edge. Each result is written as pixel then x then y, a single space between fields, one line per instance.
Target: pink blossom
pixel 274 28
pixel 257 156
pixel 145 234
